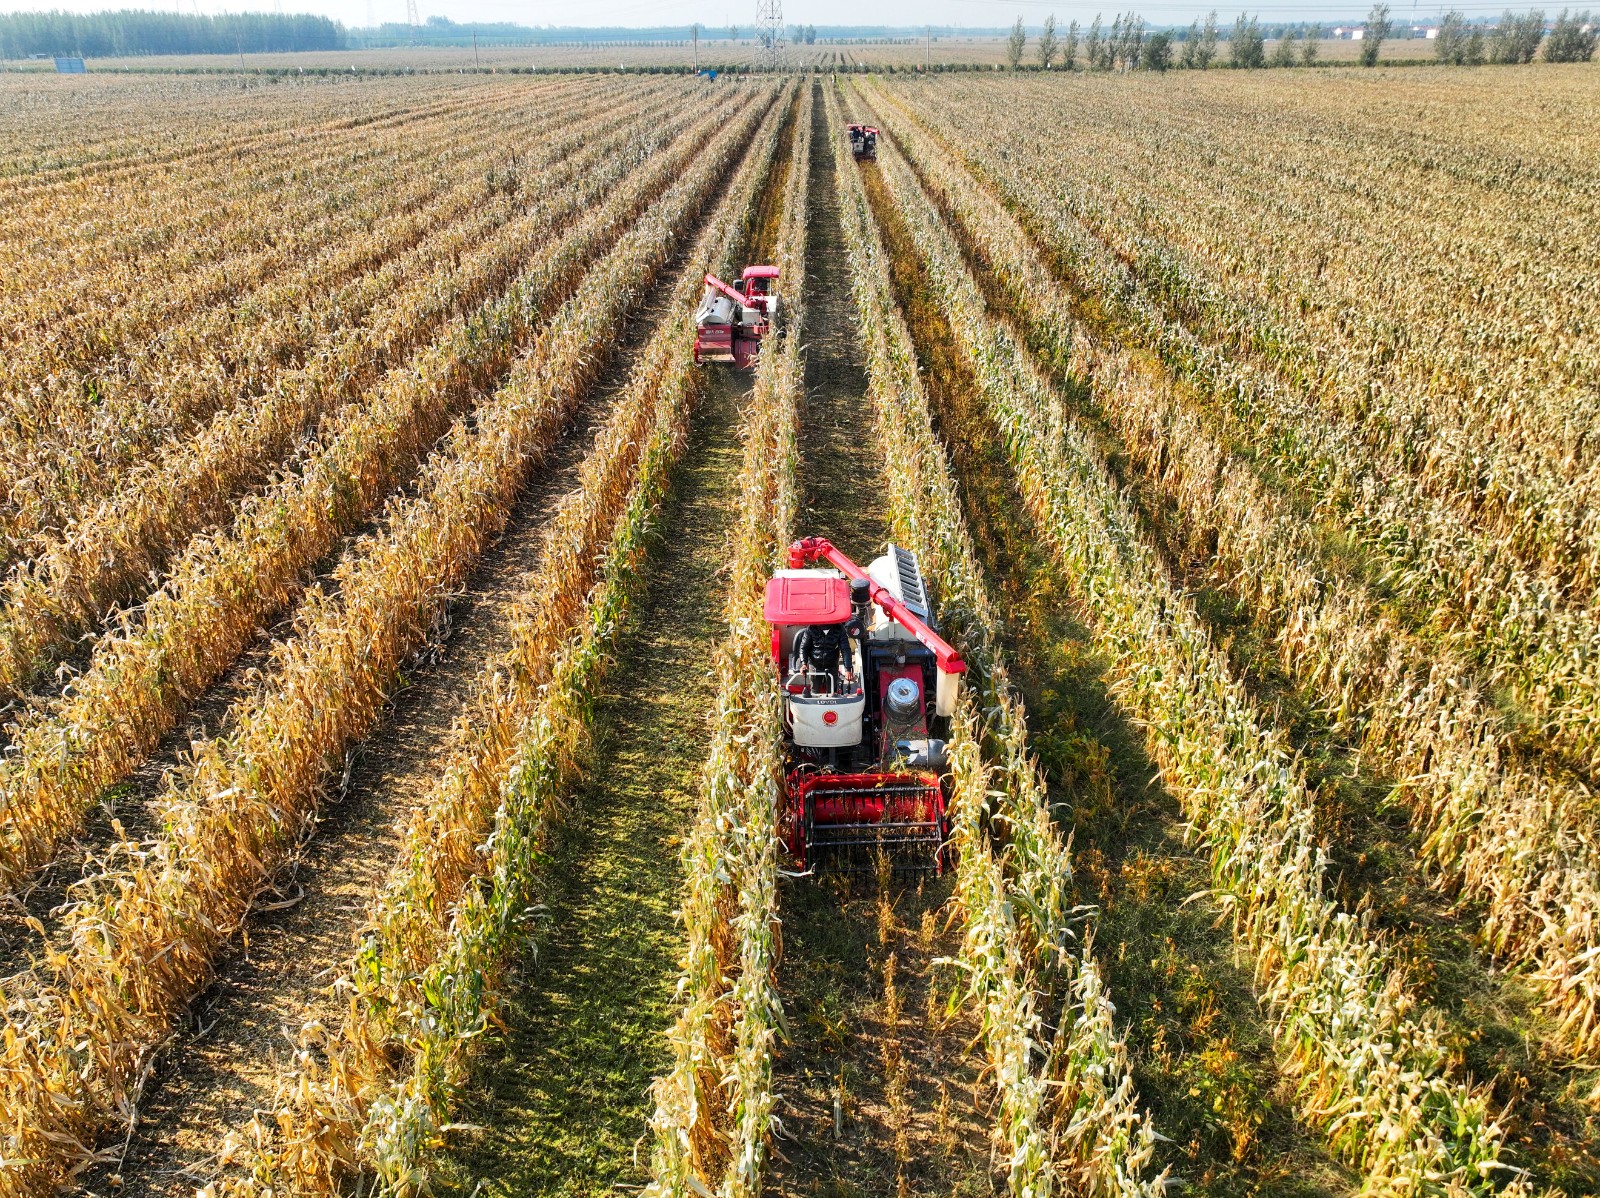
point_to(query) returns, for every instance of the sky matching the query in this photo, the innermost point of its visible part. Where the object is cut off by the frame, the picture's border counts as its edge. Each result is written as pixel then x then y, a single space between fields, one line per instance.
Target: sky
pixel 720 13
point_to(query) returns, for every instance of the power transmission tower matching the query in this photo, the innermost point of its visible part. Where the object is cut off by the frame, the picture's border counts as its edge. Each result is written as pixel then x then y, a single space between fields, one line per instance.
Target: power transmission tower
pixel 414 21
pixel 769 34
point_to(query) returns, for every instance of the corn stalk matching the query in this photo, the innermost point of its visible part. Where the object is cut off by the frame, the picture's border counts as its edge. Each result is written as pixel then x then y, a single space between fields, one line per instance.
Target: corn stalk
pixel 1504 827
pixel 144 938
pixel 145 671
pixel 340 344
pixel 1068 1112
pixel 1471 489
pixel 1372 1073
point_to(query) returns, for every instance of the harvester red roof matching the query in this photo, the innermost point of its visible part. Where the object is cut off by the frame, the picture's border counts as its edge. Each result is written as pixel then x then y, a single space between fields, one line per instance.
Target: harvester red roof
pixel 808 599
pixel 761 272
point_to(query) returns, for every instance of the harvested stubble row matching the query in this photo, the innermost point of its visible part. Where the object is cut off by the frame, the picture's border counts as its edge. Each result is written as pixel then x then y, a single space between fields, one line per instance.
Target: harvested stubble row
pixel 146 670
pixel 713 1108
pixel 105 556
pixel 1067 1109
pixel 1502 594
pixel 114 415
pixel 1501 826
pixel 144 939
pixel 1373 1072
pixel 425 982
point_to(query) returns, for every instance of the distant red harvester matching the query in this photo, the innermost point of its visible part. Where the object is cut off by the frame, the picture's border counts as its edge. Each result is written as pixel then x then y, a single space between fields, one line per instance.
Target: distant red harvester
pixel 731 322
pixel 863 142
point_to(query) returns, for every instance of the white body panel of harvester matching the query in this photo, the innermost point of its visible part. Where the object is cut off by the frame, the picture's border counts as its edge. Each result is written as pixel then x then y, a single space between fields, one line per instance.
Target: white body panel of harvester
pixel 808 718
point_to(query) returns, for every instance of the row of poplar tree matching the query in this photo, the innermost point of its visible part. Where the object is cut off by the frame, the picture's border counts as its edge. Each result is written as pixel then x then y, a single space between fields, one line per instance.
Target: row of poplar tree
pixel 1130 45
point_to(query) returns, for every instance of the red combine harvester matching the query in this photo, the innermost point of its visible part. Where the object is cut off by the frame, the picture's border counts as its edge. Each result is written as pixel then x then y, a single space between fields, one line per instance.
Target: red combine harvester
pixel 857 658
pixel 863 142
pixel 732 321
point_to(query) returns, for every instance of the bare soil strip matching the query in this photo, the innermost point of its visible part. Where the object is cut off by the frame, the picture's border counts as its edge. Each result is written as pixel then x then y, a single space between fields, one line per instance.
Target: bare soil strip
pixel 877 1091
pixel 223 1061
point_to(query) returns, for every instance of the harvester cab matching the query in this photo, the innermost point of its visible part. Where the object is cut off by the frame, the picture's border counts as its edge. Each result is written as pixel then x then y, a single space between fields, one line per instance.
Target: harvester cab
pixel 863 142
pixel 731 322
pixel 857 658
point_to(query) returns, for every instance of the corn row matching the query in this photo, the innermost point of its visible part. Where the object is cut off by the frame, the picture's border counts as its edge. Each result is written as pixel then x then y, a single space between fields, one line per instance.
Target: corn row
pixel 143 939
pixel 210 240
pixel 270 225
pixel 1527 626
pixel 1071 1120
pixel 1374 1075
pixel 1471 379
pixel 74 410
pixel 713 1107
pixel 147 669
pixel 523 723
pixel 179 125
pixel 103 557
pixel 1503 829
pixel 225 357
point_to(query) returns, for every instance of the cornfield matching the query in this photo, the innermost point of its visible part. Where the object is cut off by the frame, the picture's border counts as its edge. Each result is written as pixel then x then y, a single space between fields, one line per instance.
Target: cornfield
pixel 354 454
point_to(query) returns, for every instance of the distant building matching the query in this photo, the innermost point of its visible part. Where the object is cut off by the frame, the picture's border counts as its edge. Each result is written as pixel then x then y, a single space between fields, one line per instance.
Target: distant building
pixel 1349 33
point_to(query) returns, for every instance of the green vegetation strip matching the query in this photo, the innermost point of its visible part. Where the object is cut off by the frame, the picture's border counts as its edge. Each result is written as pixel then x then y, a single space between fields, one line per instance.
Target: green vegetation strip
pixel 703 1142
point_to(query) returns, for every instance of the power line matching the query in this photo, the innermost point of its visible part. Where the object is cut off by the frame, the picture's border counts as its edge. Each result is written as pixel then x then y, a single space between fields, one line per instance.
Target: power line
pixel 769 34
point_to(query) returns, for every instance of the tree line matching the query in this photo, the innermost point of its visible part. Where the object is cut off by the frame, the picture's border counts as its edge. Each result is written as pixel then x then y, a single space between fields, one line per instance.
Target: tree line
pixel 1130 45
pixel 126 33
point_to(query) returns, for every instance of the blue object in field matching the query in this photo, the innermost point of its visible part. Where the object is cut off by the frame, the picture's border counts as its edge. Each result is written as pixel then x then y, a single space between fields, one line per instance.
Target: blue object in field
pixel 71 66
pixel 711 75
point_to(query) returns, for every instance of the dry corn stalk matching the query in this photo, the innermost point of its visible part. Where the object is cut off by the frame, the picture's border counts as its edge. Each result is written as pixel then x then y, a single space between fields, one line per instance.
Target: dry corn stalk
pixel 341 343
pixel 1068 1114
pixel 145 672
pixel 129 363
pixel 1374 1075
pixel 1468 477
pixel 143 941
pixel 1513 831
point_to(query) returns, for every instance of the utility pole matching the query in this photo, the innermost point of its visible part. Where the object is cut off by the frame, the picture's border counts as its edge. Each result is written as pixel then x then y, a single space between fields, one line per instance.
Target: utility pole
pixel 475 61
pixel 695 31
